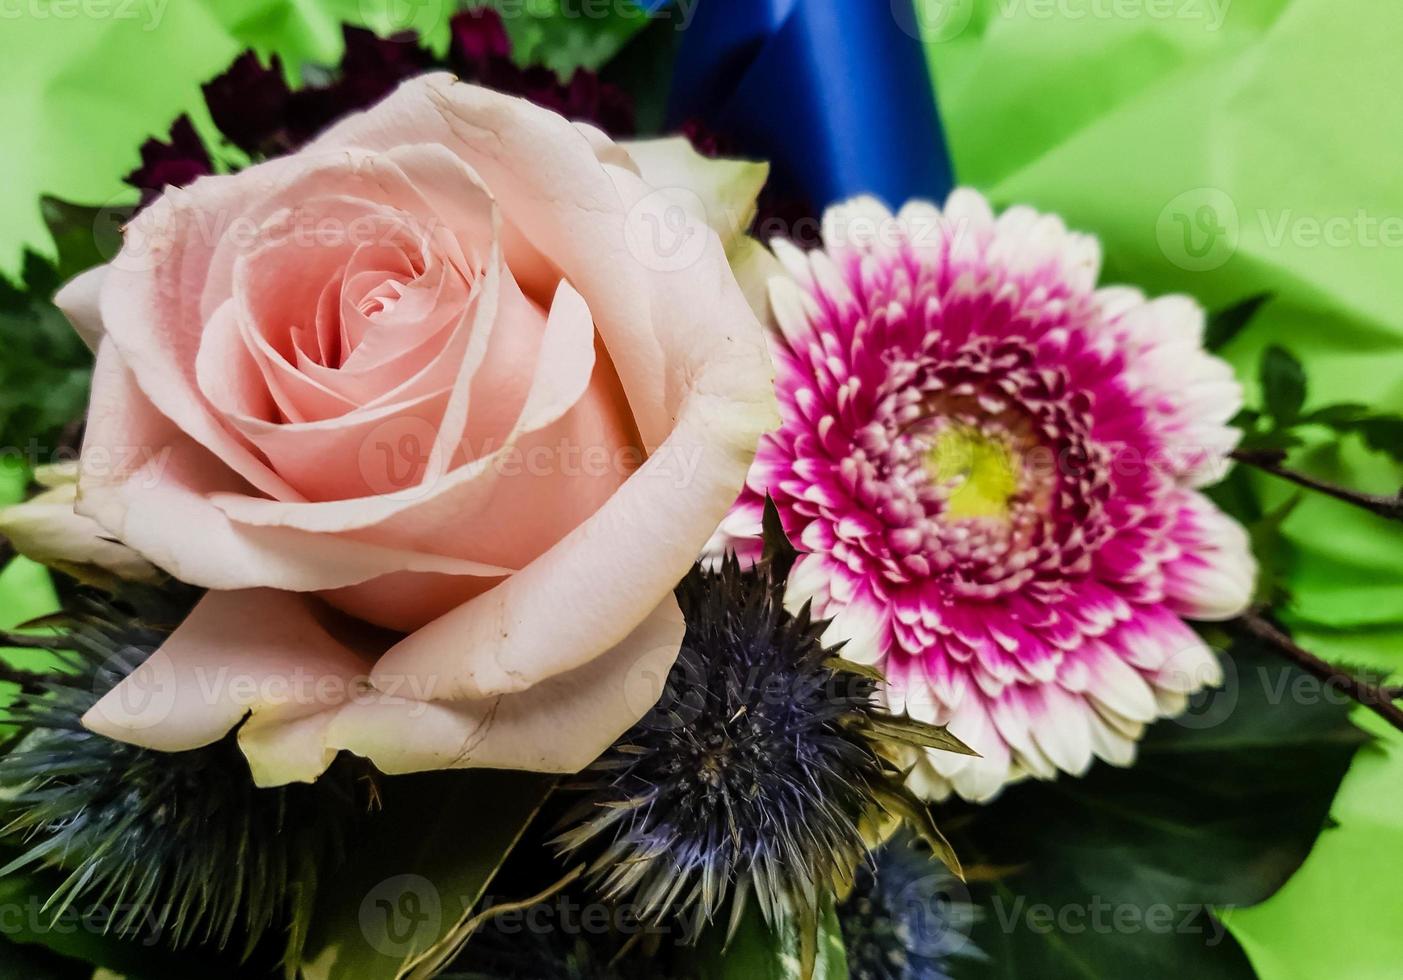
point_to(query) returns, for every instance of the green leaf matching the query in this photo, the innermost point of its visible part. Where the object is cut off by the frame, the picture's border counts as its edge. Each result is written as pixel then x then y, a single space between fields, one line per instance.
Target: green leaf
pixel 779 554
pixel 554 34
pixel 1271 550
pixel 1350 868
pixel 647 57
pixel 1283 384
pixel 45 368
pixel 906 729
pixel 419 870
pixel 84 236
pixel 758 952
pixel 1118 874
pixel 1341 416
pixel 18 962
pixel 1226 324
pixel 1383 435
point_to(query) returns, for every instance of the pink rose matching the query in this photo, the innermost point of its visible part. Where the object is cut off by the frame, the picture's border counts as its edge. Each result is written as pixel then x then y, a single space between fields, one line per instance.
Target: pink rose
pixel 460 369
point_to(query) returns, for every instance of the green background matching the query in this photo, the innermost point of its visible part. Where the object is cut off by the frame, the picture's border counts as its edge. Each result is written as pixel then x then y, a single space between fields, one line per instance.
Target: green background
pixel 1280 114
pixel 1258 124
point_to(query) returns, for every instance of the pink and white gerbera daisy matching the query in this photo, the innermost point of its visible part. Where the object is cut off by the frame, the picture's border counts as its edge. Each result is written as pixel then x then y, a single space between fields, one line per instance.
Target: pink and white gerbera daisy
pixel 990 466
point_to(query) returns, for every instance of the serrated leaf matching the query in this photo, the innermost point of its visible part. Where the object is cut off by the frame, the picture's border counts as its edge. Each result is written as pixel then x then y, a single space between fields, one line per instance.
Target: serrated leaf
pixel 901 804
pixel 1283 384
pixel 906 729
pixel 840 666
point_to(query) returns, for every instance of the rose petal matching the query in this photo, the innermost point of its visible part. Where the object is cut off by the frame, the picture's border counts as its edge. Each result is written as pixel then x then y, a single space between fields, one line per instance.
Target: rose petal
pixel 150 486
pixel 560 725
pixel 79 299
pixel 257 651
pixel 47 530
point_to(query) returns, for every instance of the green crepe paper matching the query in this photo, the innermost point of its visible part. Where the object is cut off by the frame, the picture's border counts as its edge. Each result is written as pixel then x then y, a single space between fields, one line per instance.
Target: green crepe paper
pixel 1123 116
pixel 85 92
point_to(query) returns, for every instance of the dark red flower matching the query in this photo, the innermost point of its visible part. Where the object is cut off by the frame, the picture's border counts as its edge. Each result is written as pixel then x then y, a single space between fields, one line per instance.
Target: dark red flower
pixel 249 103
pixel 172 164
pixel 479 37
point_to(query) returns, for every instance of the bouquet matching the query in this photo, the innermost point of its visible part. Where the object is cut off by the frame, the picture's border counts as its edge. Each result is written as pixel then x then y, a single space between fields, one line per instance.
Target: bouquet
pixel 544 494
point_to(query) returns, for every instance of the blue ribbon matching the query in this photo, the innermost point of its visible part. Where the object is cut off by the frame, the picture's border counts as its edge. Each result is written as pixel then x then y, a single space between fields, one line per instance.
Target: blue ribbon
pixel 835 93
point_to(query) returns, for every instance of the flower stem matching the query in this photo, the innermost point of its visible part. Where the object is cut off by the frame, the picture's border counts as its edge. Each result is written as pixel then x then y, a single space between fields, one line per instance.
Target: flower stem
pixel 1270 461
pixel 1376 698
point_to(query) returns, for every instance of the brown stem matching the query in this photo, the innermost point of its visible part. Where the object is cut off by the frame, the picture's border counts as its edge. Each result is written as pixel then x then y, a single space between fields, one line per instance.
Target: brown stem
pixel 1270 461
pixel 1376 698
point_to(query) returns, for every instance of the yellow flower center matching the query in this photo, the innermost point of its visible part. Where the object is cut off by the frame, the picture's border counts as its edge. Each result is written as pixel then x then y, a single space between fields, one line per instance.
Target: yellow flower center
pixel 982 469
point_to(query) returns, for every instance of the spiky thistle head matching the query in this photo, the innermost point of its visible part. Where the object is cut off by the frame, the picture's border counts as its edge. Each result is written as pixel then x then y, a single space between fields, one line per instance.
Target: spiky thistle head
pixel 761 772
pixel 906 917
pixel 180 848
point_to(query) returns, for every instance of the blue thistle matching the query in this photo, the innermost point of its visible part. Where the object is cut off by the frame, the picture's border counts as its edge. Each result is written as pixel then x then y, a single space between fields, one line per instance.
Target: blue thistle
pixel 756 774
pixel 906 917
pixel 182 845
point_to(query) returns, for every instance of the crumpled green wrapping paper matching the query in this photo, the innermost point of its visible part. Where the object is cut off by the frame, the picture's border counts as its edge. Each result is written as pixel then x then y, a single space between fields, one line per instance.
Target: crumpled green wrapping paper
pixel 1267 131
pixel 86 83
